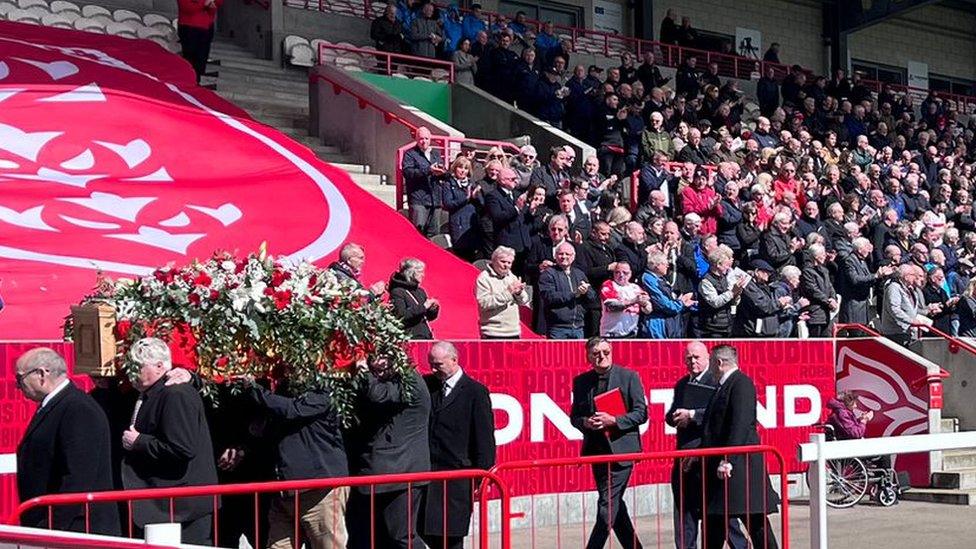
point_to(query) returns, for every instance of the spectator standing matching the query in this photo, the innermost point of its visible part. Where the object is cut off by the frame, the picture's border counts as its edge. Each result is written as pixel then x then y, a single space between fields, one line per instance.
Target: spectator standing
pixel 524 164
pixel 195 29
pixel 656 139
pixel 604 434
pixel 596 259
pixel 772 54
pixel 352 259
pixel 669 28
pixel 553 176
pixel 701 199
pixel 422 171
pixel 563 291
pixel 168 445
pixel 425 33
pixel 304 429
pixel 777 244
pixel 549 97
pixel 737 486
pixel 465 63
pixel 510 216
pixel 767 92
pixel 717 295
pixel 633 249
pixel 758 312
pixel 967 311
pixel 462 200
pixel 474 22
pixel 664 320
pixel 937 292
pixel 687 35
pixel 649 74
pixel 623 302
pixel 855 282
pixel 503 64
pixel 410 301
pixel 499 294
pixel 462 436
pixel 817 286
pixel 546 41
pixel 386 32
pixel 65 449
pixel 392 437
pixel 687 79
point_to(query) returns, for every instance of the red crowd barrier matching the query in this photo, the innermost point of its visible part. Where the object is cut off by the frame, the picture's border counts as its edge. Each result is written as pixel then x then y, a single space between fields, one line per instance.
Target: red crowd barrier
pixel 381 62
pixel 659 459
pixel 414 481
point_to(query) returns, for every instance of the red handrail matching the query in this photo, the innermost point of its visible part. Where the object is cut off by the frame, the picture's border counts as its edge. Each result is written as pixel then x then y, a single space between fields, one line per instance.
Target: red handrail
pixel 966 103
pixel 855 326
pixel 215 491
pixel 498 469
pixel 955 343
pixel 390 63
pixel 442 143
pixel 66 541
pixel 671 166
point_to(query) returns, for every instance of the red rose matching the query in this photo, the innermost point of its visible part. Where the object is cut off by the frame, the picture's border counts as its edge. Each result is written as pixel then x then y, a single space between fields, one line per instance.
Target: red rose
pixel 313 280
pixel 122 328
pixel 241 265
pixel 194 298
pixel 282 299
pixel 269 291
pixel 308 301
pixel 202 279
pixel 222 362
pixel 164 276
pixel 214 294
pixel 279 277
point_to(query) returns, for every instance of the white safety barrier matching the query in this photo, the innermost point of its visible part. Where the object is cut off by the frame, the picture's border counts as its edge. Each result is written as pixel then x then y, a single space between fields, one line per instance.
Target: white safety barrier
pixel 818 451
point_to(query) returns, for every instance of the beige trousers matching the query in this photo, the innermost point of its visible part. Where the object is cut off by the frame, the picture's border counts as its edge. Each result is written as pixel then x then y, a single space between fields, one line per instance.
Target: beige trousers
pixel 321 520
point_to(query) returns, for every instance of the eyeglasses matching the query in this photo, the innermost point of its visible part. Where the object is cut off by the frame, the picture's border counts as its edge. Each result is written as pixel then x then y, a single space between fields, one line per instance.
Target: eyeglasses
pixel 598 352
pixel 21 377
pixel 496 156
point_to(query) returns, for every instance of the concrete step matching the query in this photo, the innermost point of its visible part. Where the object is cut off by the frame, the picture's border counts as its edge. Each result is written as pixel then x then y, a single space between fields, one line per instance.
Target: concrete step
pixel 368 179
pixel 386 193
pixel 286 121
pixel 941 495
pixel 241 63
pixel 350 168
pixel 964 479
pixel 338 158
pixel 263 79
pixel 257 107
pixel 950 425
pixel 242 57
pixel 955 460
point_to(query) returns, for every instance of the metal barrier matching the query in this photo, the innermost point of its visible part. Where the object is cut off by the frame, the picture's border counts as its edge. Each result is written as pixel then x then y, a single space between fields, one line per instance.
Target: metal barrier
pixel 818 451
pixel 678 455
pixel 448 146
pixel 839 327
pixel 955 343
pixel 390 64
pixel 676 168
pixel 291 489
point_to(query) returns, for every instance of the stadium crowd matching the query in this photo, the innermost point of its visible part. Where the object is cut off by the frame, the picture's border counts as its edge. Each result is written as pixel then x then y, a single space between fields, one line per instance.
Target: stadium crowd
pixel 821 205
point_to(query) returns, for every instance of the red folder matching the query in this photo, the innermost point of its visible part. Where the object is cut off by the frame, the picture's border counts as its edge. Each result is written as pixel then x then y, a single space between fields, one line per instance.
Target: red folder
pixel 611 402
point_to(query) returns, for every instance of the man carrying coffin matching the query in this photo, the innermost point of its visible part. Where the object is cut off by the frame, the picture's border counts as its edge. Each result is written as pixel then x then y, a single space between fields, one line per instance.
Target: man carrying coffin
pixel 608 407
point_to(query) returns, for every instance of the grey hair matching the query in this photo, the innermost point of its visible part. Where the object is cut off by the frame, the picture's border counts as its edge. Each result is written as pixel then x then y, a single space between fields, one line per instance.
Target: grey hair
pixel 790 272
pixel 860 243
pixel 446 346
pixel 555 218
pixel 726 353
pixel 782 216
pixel 817 249
pixel 852 227
pixel 348 249
pixel 502 251
pixel 720 254
pixel 656 258
pixel 149 350
pixel 409 268
pixel 49 359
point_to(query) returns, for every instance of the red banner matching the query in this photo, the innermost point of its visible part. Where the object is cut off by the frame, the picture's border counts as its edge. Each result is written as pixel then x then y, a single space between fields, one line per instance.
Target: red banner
pixel 112 159
pixel 531 385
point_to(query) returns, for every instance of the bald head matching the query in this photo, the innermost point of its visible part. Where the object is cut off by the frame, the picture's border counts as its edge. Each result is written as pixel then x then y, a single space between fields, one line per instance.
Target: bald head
pixel 39 372
pixel 696 358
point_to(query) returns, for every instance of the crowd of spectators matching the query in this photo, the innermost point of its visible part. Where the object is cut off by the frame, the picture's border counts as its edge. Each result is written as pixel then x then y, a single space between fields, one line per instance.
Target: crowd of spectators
pixel 825 203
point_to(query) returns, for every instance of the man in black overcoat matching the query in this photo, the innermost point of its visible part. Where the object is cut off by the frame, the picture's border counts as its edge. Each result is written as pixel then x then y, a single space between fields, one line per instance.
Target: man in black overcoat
pixel 737 486
pixel 462 436
pixel 66 447
pixel 604 433
pixel 391 437
pixel 168 445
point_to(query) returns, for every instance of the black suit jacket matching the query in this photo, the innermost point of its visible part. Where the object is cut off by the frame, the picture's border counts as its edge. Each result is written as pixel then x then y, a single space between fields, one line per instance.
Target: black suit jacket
pixel 392 435
pixel 173 449
pixel 509 223
pixel 691 435
pixel 67 449
pixel 730 420
pixel 624 438
pixel 462 436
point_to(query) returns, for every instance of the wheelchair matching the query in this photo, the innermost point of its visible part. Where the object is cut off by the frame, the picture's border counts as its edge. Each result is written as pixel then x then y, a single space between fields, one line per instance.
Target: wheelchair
pixel 850 479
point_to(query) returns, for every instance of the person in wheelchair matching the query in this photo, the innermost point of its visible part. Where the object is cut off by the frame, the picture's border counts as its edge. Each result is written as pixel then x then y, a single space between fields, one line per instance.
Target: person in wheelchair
pixel 849 422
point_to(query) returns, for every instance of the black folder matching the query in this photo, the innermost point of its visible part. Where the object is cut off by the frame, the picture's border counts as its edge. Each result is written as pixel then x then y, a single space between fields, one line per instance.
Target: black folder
pixel 697 395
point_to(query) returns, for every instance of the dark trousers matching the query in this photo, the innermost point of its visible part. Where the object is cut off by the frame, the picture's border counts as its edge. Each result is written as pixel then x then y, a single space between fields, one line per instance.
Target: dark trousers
pixel 392 523
pixel 591 322
pixel 819 330
pixel 611 511
pixel 717 530
pixel 442 542
pixel 195 46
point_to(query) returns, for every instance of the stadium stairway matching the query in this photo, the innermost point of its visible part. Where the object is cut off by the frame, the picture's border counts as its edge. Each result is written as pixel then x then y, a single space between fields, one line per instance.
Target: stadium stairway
pixel 955 484
pixel 278 97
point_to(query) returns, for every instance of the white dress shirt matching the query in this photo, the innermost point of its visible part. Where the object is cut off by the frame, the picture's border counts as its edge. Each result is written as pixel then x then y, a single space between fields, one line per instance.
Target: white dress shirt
pixel 450 382
pixel 54 393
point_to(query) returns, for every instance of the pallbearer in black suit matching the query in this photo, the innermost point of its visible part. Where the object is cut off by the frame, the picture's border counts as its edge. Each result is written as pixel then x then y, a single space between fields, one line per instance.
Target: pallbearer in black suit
pixel 604 433
pixel 66 447
pixel 462 436
pixel 737 487
pixel 168 445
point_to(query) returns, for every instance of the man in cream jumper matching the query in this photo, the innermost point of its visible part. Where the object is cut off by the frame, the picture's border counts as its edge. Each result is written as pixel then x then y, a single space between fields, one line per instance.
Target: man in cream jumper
pixel 500 293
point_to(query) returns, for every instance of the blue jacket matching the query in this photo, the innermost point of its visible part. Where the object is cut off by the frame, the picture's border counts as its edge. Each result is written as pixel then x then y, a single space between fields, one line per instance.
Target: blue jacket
pixel 404 14
pixel 544 43
pixel 420 186
pixel 663 321
pixel 462 215
pixel 453 29
pixel 548 107
pixel 472 26
pixel 560 304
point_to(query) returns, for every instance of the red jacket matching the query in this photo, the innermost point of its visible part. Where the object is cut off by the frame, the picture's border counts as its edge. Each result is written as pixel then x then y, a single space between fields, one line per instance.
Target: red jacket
pixel 195 13
pixel 702 203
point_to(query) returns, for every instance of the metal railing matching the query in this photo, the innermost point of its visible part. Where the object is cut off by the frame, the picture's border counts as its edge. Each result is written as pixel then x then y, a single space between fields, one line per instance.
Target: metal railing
pixel 413 481
pixel 381 62
pixel 818 451
pixel 955 343
pixel 448 147
pixel 839 327
pixel 667 456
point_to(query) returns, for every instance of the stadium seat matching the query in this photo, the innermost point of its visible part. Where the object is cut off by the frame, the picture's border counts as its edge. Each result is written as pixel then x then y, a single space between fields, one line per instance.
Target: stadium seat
pixel 156 20
pixel 315 47
pixel 24 16
pixel 126 15
pixel 27 4
pixel 120 29
pixel 5 8
pixel 61 6
pixel 56 20
pixel 439 75
pixel 92 10
pixel 442 241
pixel 152 32
pixel 89 25
pixel 301 55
